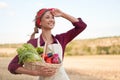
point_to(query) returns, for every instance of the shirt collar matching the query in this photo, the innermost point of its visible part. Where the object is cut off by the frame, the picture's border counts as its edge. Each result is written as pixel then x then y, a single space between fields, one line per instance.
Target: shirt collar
pixel 42 42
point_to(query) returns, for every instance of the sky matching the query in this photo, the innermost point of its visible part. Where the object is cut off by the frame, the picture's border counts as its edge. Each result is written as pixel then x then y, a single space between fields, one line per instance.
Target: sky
pixel 101 16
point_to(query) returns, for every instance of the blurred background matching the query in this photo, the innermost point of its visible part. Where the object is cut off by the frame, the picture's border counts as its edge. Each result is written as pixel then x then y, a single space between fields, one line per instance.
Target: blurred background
pixel 93 55
pixel 16 18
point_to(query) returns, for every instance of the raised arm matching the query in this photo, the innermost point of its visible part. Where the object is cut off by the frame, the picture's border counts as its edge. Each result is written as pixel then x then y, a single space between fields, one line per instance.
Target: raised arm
pixel 59 13
pixel 78 23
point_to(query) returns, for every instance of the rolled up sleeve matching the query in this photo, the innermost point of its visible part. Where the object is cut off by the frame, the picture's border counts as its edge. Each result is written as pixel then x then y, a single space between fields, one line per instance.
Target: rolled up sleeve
pixel 13 65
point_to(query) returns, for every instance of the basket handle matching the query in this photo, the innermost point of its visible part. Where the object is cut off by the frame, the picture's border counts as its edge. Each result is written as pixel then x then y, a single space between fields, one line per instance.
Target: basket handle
pixel 45 49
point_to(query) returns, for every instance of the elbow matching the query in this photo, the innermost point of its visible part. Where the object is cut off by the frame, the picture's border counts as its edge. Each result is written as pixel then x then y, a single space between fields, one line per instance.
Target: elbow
pixel 84 25
pixel 11 68
pixel 81 25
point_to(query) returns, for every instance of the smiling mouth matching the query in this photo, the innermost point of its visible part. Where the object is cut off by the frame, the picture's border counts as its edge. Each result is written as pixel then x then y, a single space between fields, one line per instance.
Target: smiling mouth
pixel 51 24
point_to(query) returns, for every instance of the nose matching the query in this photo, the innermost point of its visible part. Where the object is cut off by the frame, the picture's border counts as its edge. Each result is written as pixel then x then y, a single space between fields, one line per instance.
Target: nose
pixel 52 20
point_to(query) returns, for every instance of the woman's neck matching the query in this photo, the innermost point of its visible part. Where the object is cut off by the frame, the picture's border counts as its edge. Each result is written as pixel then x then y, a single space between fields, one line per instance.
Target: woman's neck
pixel 47 37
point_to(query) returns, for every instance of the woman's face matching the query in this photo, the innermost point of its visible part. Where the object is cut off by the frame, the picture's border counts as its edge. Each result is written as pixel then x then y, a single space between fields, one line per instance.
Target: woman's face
pixel 47 21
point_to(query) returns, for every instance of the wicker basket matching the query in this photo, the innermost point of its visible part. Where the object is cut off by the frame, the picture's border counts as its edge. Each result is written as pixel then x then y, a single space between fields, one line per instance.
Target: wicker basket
pixel 38 65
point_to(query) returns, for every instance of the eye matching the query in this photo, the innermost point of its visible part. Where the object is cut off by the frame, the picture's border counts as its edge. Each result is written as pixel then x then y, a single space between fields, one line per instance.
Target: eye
pixel 52 17
pixel 47 17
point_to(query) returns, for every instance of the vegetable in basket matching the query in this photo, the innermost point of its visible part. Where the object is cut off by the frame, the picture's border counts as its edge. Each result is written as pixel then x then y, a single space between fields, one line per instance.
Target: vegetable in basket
pixel 39 50
pixel 27 53
pixel 52 58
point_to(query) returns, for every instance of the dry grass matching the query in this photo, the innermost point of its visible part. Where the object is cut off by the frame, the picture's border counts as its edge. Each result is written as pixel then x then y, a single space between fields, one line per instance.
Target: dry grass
pixel 93 67
pixel 77 67
pixel 7 52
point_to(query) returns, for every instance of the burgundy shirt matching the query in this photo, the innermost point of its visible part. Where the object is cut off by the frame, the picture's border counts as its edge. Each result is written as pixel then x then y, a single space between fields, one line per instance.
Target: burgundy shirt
pixel 63 38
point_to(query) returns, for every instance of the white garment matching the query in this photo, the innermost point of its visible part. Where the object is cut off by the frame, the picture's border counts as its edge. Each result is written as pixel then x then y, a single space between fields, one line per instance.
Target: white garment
pixel 61 74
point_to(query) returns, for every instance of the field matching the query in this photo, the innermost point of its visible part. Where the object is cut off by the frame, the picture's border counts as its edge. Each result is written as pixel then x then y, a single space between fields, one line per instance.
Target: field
pixel 102 67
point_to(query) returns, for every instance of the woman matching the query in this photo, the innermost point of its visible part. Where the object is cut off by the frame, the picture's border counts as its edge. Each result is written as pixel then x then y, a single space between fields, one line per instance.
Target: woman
pixel 45 21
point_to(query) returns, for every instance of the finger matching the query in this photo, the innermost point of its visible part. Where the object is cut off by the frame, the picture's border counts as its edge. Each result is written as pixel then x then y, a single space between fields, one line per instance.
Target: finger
pixel 50 73
pixel 53 9
pixel 53 13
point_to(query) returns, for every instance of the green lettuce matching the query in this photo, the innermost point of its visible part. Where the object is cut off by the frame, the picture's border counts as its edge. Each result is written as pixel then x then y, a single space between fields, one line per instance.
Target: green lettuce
pixel 27 53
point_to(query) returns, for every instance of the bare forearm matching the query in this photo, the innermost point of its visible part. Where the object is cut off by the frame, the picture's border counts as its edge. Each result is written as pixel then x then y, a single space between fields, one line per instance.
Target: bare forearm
pixel 58 13
pixel 22 70
pixel 69 17
pixel 41 72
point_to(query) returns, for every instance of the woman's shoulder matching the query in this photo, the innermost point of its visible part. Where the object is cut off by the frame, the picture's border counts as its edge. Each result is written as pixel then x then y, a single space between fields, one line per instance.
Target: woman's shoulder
pixel 33 42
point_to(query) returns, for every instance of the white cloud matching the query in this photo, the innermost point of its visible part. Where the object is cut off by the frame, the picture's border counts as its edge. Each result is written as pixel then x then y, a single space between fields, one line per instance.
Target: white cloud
pixel 3 5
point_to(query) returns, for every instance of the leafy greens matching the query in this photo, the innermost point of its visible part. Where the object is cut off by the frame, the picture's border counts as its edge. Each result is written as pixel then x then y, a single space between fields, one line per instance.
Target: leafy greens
pixel 27 53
